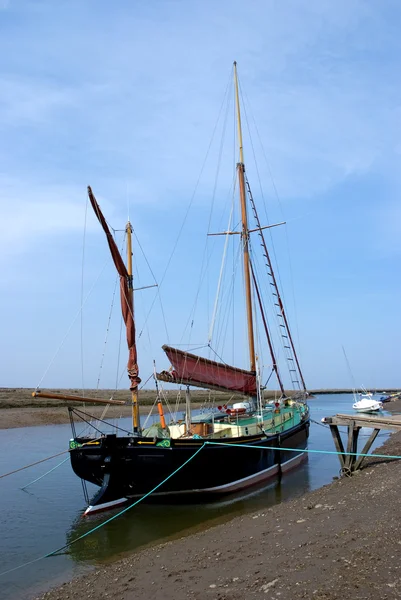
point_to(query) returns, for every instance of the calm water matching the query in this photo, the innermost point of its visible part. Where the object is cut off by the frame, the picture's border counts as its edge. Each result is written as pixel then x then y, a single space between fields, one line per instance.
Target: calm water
pixel 48 514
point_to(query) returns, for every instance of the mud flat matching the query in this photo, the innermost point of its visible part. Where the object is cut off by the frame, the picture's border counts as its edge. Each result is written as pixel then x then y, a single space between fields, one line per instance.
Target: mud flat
pixel 19 409
pixel 341 541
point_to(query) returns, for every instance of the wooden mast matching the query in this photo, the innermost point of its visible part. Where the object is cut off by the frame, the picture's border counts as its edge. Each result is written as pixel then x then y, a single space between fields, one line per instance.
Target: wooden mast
pixel 245 230
pixel 134 392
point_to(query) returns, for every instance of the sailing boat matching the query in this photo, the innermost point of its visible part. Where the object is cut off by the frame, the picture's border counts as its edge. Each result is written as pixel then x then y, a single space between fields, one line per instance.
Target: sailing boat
pixel 210 454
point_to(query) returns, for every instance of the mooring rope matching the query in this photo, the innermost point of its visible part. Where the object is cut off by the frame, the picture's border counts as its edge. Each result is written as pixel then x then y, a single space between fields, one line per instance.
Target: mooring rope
pixel 44 474
pixel 48 458
pixel 304 450
pixel 33 464
pixel 54 552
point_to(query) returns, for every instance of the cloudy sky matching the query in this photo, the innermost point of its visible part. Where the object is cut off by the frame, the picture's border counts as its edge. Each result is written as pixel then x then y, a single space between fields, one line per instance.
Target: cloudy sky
pixel 125 96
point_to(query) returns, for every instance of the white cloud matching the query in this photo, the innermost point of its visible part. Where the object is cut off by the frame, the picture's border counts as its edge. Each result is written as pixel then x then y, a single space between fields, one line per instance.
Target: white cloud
pixel 140 96
pixel 23 100
pixel 33 214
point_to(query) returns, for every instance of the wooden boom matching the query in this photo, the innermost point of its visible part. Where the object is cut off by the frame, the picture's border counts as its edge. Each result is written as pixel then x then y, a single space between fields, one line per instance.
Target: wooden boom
pixel 67 398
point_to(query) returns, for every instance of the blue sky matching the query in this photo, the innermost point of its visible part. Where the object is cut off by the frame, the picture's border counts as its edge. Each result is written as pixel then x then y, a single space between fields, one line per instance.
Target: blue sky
pixel 124 96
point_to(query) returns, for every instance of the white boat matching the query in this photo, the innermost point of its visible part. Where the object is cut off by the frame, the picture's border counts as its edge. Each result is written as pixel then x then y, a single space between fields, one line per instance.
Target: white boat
pixel 367 403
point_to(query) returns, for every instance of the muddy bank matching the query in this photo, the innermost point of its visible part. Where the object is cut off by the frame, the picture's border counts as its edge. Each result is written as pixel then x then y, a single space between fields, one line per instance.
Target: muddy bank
pixel 30 416
pixel 19 409
pixel 341 541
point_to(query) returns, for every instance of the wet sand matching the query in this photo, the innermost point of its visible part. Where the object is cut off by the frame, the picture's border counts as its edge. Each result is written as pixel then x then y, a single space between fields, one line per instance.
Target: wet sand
pixel 341 541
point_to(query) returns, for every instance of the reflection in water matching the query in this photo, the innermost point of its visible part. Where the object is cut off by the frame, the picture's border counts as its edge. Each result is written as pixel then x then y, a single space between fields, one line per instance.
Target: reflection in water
pixel 153 522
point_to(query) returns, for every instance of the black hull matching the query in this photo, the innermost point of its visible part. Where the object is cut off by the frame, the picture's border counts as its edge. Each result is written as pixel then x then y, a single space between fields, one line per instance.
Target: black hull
pixel 126 467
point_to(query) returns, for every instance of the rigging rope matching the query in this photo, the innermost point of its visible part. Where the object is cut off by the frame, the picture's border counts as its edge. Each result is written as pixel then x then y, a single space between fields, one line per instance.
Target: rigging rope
pixel 72 324
pixel 82 297
pixel 267 218
pixel 223 262
pixel 33 464
pixel 107 335
pixel 47 473
pixel 188 208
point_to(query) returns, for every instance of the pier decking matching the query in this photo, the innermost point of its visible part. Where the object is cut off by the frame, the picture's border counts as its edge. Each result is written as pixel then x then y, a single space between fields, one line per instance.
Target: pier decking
pixel 352 462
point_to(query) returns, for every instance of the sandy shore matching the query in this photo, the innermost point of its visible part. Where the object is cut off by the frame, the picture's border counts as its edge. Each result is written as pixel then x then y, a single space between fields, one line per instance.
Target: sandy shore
pixel 341 541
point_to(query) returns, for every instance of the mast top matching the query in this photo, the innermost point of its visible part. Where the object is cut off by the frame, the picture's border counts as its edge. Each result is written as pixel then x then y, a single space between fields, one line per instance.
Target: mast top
pixel 241 152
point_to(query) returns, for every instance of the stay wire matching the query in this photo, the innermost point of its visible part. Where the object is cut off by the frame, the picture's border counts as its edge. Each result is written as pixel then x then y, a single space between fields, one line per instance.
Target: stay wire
pixel 158 294
pixel 206 256
pixel 188 209
pixel 281 210
pixel 82 296
pixel 71 325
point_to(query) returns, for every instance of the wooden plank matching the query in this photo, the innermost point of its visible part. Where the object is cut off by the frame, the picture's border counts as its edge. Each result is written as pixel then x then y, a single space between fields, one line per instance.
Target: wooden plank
pixel 390 423
pixel 338 443
pixel 350 445
pixel 371 417
pixel 366 449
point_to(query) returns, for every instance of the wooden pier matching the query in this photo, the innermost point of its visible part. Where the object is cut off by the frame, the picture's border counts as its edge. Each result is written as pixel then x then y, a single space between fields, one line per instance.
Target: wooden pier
pixel 352 462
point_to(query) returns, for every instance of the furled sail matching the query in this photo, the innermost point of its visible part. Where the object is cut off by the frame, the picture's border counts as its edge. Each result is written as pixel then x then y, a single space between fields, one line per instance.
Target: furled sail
pixel 190 369
pixel 125 294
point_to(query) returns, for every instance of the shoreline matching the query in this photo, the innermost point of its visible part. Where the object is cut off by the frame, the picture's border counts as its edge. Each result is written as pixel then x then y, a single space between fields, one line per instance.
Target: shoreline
pixel 11 418
pixel 342 540
pixel 19 409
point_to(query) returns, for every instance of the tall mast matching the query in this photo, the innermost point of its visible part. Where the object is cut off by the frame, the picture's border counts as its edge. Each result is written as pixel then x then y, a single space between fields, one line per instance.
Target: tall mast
pixel 245 230
pixel 134 392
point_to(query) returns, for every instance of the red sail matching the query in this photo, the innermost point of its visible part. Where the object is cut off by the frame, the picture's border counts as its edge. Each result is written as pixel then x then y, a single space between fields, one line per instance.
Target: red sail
pixel 190 369
pixel 125 294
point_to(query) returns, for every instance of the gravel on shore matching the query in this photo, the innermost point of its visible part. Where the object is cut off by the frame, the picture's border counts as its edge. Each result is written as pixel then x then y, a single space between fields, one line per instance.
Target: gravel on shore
pixel 338 542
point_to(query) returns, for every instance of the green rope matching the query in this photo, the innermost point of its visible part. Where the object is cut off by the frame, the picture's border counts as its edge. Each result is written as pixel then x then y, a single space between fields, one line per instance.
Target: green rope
pixel 307 450
pixel 44 474
pixel 33 464
pixel 31 562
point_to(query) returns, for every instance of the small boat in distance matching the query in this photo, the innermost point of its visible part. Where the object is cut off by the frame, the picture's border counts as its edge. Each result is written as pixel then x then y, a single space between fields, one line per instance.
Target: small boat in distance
pixel 367 404
pixel 363 401
pixel 228 448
